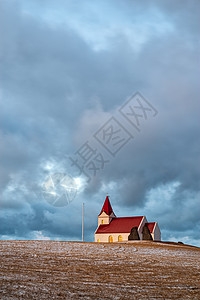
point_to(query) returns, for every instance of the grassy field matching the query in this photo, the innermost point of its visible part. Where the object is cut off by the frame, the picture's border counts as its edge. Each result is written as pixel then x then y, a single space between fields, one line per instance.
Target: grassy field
pixel 74 270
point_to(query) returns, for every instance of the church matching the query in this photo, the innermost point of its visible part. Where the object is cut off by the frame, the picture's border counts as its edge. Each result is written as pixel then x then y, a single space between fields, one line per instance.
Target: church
pixel 122 229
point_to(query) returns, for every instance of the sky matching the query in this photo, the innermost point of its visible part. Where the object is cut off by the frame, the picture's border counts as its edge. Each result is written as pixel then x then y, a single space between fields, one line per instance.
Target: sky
pixel 69 69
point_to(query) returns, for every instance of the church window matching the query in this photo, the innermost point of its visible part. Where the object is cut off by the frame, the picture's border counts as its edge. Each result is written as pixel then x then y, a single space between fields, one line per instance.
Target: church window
pixel 110 239
pixel 120 238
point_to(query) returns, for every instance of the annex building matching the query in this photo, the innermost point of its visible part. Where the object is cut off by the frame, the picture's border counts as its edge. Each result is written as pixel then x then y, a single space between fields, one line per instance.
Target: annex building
pixel 119 229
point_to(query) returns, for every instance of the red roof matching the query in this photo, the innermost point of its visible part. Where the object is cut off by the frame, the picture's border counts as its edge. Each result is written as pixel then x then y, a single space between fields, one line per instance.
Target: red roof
pixel 120 225
pixel 107 208
pixel 151 226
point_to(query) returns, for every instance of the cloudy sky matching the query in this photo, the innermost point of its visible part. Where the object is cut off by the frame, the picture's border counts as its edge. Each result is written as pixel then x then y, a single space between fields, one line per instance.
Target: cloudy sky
pixel 67 67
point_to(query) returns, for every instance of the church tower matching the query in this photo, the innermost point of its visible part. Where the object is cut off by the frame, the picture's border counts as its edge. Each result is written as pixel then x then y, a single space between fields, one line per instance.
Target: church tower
pixel 106 214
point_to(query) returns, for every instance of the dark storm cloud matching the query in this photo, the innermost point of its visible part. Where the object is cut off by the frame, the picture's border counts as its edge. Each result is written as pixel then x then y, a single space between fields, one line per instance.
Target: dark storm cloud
pixel 56 91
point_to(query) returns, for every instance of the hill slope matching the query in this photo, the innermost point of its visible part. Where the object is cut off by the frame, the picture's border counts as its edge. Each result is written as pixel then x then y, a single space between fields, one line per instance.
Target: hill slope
pixel 73 270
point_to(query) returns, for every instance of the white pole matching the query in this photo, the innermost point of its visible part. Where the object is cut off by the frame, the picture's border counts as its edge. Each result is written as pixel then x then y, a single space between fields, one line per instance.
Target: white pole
pixel 83 222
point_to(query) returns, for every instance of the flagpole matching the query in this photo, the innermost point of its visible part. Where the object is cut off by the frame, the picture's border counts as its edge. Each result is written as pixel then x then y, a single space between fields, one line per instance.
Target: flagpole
pixel 83 222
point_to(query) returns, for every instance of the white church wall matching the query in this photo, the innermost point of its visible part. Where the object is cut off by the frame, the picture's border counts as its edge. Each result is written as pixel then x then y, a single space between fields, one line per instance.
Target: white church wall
pixel 143 222
pixel 104 237
pixel 156 235
pixel 105 219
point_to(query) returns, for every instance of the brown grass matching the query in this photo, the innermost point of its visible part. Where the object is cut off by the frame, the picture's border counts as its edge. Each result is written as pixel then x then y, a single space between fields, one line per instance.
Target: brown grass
pixel 72 270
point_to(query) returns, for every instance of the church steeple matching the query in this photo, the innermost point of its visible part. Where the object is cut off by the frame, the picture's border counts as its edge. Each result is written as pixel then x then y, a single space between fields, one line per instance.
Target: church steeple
pixel 107 208
pixel 106 215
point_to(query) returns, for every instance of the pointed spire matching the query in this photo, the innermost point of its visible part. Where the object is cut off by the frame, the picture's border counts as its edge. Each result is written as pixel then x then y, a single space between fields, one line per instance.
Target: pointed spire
pixel 107 208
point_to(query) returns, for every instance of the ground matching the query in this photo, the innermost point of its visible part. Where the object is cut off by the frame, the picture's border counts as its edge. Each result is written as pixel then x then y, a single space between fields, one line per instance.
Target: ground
pixel 75 270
